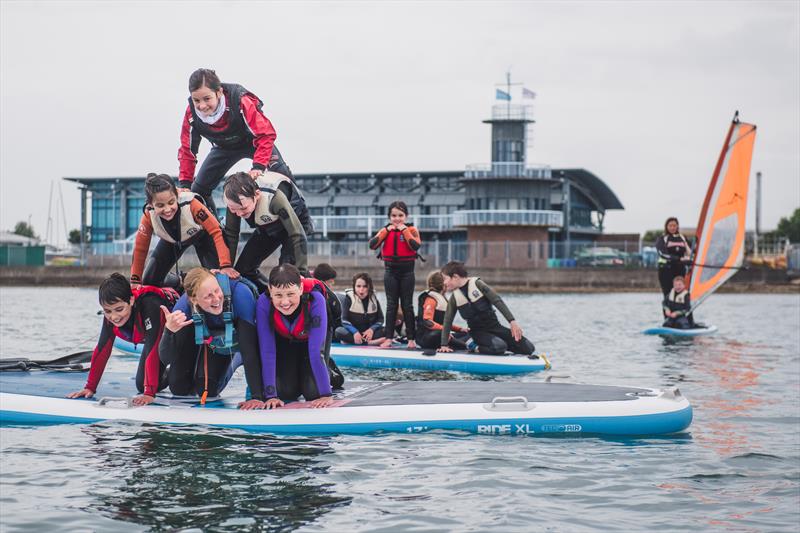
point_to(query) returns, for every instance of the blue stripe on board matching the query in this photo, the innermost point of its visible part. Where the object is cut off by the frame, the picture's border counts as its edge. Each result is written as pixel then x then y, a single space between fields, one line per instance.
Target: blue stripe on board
pixel 680 332
pixel 654 424
pixel 387 361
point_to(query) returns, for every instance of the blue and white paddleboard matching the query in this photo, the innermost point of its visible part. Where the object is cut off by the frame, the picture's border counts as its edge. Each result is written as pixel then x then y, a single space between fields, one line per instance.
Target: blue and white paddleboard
pixel 348 355
pixel 482 407
pixel 693 332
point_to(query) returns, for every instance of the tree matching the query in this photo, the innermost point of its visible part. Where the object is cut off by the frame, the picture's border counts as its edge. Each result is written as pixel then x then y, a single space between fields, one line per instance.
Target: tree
pixel 790 227
pixel 650 236
pixel 75 236
pixel 25 229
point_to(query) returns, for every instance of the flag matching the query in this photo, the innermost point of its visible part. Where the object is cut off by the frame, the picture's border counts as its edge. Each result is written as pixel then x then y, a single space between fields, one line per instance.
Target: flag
pixel 527 93
pixel 502 95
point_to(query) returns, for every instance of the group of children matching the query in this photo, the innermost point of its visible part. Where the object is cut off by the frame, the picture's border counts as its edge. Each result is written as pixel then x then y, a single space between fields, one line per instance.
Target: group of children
pixel 280 327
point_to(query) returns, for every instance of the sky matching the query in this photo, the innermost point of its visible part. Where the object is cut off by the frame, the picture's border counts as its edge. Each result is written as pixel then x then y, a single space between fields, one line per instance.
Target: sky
pixel 639 93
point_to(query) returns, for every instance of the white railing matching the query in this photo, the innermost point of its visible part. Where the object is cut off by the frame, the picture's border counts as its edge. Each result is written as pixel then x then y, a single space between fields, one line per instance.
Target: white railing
pixel 499 169
pixel 508 217
pixel 512 112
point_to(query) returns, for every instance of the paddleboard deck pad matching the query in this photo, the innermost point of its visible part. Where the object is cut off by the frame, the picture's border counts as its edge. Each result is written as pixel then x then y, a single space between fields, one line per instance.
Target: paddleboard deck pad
pixel 693 332
pixel 482 407
pixel 370 357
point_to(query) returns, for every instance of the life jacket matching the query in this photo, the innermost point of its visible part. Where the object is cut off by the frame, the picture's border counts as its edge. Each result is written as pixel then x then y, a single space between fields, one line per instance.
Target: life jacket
pixel 441 307
pixel 300 329
pixel 267 184
pixel 396 249
pixel 228 342
pixel 236 134
pixel 189 227
pixel 677 301
pixel 476 309
pixel 168 295
pixel 675 246
pixel 360 317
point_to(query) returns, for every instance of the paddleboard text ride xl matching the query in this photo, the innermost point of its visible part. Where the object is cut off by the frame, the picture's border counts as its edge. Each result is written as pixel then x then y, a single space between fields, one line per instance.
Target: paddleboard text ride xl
pixel 348 355
pixel 481 407
pixel 720 238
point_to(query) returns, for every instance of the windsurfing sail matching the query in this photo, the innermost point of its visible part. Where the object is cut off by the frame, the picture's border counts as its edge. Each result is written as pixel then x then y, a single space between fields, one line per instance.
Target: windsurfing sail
pixel 720 232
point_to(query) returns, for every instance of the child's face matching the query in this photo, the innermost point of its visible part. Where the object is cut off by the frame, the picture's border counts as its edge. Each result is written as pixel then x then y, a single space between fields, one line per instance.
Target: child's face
pixel 245 207
pixel 397 217
pixel 361 288
pixel 285 299
pixel 205 100
pixel 678 285
pixel 451 282
pixel 165 204
pixel 118 312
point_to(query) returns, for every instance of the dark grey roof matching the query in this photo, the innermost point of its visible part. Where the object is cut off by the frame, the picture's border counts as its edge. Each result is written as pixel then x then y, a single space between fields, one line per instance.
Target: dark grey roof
pixel 597 187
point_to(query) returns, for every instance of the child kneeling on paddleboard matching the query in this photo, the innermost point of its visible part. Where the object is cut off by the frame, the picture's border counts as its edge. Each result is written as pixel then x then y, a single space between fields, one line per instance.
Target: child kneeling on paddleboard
pixel 133 315
pixel 292 322
pixel 181 220
pixel 474 299
pixel 431 309
pixel 362 316
pixel 210 331
pixel 677 306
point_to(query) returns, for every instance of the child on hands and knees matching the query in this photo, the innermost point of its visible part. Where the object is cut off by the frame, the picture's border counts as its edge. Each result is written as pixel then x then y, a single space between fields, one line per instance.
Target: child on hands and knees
pixel 292 326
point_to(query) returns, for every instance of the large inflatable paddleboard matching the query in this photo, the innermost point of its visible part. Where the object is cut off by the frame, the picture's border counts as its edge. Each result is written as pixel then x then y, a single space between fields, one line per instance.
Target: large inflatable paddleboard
pixel 348 355
pixel 693 332
pixel 483 407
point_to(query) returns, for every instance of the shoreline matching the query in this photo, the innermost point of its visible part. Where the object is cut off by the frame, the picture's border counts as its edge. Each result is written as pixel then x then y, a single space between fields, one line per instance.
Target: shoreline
pixel 542 281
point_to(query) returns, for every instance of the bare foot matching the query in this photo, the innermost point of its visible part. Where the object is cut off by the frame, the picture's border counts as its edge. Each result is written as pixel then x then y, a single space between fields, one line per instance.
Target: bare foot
pixel 386 344
pixel 412 345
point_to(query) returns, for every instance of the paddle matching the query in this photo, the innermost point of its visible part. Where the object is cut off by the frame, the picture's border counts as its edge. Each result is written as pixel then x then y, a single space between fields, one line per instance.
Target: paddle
pixel 69 362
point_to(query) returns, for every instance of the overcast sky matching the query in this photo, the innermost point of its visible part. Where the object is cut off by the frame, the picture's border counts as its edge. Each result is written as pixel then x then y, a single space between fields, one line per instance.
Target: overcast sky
pixel 639 93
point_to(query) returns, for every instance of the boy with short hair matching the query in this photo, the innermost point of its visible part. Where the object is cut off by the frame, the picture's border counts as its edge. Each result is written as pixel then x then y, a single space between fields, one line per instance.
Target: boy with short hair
pixel 475 300
pixel 677 306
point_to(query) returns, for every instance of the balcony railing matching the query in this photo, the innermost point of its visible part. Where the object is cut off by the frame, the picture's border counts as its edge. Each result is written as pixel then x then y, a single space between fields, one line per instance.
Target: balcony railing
pixel 507 170
pixel 512 112
pixel 509 217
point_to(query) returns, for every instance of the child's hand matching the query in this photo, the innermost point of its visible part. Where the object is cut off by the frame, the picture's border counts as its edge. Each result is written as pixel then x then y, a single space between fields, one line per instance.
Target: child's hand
pixel 516 331
pixel 143 399
pixel 83 393
pixel 444 349
pixel 251 404
pixel 369 334
pixel 357 338
pixel 322 401
pixel 273 403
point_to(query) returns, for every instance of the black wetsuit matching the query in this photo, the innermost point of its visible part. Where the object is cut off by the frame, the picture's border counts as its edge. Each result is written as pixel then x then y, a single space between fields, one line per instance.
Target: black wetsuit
pixel 269 237
pixel 671 248
pixel 491 337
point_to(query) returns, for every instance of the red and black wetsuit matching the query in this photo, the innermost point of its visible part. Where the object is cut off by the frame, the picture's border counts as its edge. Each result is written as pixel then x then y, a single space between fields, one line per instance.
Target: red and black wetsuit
pixel 242 132
pixel 145 326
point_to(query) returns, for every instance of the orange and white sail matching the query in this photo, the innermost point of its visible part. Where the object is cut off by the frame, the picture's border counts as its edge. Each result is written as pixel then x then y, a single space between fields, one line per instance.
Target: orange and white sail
pixel 721 231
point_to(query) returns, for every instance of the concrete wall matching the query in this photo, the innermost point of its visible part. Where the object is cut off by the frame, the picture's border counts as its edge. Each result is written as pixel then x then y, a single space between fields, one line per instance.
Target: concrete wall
pixel 532 280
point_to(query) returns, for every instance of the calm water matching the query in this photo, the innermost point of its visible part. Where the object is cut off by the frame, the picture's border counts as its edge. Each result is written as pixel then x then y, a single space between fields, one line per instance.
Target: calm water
pixel 737 470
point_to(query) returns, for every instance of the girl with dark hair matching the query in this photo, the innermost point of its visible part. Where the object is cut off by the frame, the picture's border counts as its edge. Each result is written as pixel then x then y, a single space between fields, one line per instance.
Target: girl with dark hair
pixel 222 335
pixel 133 315
pixel 292 322
pixel 399 242
pixel 270 204
pixel 362 316
pixel 674 255
pixel 230 117
pixel 181 220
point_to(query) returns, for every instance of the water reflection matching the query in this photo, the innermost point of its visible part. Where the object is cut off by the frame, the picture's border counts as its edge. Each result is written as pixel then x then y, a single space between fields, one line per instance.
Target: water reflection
pixel 213 479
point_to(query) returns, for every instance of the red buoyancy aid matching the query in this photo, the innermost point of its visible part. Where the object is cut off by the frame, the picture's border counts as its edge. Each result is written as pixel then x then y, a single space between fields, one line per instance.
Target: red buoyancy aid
pixel 167 294
pixel 298 330
pixel 396 248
